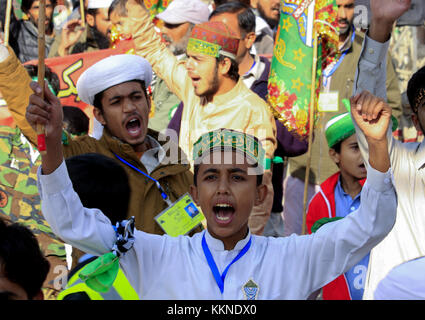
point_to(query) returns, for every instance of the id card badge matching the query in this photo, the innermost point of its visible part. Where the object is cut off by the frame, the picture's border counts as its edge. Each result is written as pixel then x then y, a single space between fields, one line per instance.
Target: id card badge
pixel 181 217
pixel 328 101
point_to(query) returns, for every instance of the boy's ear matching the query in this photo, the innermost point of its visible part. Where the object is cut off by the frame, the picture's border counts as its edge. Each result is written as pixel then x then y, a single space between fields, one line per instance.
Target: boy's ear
pixel 194 193
pixel 415 121
pixel 261 194
pixel 99 115
pixel 90 20
pixel 334 155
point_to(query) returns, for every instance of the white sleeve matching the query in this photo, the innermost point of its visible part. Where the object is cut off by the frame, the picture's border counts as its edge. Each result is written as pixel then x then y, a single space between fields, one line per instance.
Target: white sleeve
pixel 371 73
pixel 87 229
pixel 339 245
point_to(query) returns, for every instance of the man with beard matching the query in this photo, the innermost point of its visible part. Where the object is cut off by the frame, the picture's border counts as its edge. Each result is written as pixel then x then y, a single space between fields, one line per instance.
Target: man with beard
pixel 209 85
pixel 338 80
pixel 23 34
pixel 178 21
pixel 269 10
pixel 75 39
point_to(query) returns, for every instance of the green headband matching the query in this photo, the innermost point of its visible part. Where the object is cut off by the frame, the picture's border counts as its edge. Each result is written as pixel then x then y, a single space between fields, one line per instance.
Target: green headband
pixel 204 47
pixel 35 78
pixel 227 139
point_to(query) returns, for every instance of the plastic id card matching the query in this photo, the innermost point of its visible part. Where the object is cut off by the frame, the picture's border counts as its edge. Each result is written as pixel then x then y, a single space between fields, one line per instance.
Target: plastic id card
pixel 328 101
pixel 181 217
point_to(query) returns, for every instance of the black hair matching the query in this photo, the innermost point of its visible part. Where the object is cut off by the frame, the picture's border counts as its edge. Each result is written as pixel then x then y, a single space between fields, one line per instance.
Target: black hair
pixel 246 17
pixel 102 183
pixel 21 260
pixel 119 7
pixel 51 77
pixel 337 147
pixel 97 101
pixel 26 4
pixel 414 87
pixel 77 120
pixel 233 72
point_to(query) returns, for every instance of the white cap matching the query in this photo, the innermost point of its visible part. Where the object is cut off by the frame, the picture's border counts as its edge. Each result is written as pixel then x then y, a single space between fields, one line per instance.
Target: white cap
pixel 181 11
pixel 111 71
pixel 96 4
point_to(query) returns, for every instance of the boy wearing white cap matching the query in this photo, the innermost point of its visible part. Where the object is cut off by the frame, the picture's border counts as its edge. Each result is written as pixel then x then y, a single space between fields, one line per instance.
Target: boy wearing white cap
pixel 76 39
pixel 116 87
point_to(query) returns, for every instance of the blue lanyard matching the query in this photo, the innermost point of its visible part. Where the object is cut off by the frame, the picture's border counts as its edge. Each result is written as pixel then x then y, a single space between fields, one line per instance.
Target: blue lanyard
pixel 252 67
pixel 220 278
pixel 163 194
pixel 326 76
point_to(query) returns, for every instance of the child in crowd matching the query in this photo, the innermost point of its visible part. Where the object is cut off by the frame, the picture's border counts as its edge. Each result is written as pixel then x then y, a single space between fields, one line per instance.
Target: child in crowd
pixel 23 267
pixel 225 261
pixel 339 196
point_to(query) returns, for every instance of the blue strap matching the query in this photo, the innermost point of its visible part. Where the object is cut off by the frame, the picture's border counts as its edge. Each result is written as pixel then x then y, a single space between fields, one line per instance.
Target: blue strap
pixel 326 76
pixel 220 278
pixel 163 194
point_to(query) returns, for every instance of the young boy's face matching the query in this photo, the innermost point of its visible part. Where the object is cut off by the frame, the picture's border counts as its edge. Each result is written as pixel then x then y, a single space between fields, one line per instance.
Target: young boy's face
pixel 226 194
pixel 350 160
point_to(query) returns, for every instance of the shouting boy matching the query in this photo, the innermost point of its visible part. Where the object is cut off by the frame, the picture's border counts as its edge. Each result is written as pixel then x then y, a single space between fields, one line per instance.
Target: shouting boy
pixel 225 261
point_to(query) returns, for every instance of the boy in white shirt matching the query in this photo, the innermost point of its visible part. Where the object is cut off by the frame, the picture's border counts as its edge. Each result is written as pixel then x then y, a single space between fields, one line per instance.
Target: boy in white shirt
pixel 225 261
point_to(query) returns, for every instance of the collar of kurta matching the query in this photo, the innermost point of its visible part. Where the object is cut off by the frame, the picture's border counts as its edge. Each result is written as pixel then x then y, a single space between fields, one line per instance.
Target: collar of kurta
pixel 217 245
pixel 231 94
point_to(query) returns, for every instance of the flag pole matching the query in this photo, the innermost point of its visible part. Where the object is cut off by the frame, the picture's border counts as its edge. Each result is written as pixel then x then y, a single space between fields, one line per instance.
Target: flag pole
pixel 41 137
pixel 312 111
pixel 7 22
pixel 83 20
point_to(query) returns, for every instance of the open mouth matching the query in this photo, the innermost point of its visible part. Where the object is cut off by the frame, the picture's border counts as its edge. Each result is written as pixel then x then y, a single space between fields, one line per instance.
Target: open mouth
pixel 224 212
pixel 133 126
pixel 195 80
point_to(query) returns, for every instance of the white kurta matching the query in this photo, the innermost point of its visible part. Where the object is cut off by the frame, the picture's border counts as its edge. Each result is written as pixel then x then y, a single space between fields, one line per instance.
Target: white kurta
pixel 406 240
pixel 162 267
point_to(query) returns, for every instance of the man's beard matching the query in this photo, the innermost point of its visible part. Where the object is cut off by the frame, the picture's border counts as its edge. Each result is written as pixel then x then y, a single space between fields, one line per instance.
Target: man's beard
pixel 345 31
pixel 213 88
pixel 177 48
pixel 102 41
pixel 271 22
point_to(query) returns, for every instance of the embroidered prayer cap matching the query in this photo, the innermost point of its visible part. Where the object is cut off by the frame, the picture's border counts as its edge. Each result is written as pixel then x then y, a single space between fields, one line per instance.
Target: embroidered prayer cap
pixel 213 39
pixel 341 127
pixel 230 140
pixel 96 4
pixel 181 11
pixel 111 71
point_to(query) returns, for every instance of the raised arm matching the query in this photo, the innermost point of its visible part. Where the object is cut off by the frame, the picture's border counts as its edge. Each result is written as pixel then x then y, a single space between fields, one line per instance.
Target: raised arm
pixel 148 45
pixel 339 245
pixel 371 69
pixel 14 78
pixel 87 229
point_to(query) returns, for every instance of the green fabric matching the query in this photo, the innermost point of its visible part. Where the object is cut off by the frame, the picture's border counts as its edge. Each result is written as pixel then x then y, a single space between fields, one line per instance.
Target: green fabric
pixel 322 166
pixel 100 274
pixel 319 223
pixel 339 128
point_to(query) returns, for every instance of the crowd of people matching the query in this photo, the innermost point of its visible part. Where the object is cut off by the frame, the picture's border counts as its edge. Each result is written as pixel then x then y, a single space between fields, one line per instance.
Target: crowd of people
pixel 188 177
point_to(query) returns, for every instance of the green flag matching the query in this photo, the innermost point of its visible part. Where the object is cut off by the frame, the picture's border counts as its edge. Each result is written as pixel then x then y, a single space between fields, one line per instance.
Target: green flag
pixel 290 80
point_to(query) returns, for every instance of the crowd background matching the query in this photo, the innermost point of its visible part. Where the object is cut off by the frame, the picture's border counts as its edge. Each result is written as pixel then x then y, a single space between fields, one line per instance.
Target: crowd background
pixel 69 36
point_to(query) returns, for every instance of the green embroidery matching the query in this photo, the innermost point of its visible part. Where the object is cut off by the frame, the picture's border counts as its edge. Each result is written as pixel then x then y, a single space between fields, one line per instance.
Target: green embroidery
pixel 204 47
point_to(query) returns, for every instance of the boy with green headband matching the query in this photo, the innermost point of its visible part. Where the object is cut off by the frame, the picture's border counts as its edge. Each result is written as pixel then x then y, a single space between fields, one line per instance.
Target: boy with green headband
pixel 225 261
